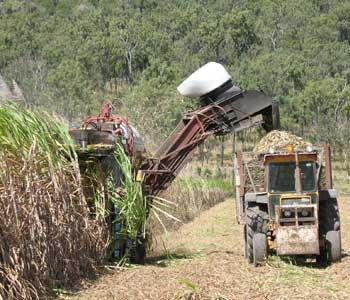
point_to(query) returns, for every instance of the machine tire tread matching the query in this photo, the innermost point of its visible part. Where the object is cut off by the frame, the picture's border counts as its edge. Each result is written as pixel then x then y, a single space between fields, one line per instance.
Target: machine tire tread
pixel 256 222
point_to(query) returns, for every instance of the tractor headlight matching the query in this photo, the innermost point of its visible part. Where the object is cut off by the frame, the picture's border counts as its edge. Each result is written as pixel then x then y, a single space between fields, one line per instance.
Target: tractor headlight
pixel 304 212
pixel 305 200
pixel 287 213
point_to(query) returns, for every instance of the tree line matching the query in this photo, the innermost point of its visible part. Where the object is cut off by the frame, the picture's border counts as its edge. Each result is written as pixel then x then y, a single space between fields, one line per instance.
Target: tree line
pixel 70 56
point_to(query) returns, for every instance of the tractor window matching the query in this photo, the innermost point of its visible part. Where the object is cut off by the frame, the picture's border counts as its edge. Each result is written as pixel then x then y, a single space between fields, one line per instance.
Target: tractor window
pixel 307 176
pixel 282 177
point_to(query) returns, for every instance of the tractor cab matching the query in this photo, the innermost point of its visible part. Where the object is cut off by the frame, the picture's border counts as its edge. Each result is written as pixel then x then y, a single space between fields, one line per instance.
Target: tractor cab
pixel 291 178
pixel 292 191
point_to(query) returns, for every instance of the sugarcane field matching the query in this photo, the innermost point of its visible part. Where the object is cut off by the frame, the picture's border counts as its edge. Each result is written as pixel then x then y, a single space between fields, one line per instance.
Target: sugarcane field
pixel 176 150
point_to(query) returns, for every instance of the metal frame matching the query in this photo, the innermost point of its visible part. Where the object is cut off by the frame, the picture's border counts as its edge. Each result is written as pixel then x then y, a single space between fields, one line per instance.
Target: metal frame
pixel 233 113
pixel 297 238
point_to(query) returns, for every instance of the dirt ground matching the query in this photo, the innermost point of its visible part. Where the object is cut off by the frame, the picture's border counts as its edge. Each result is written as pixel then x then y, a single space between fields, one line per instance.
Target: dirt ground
pixel 204 260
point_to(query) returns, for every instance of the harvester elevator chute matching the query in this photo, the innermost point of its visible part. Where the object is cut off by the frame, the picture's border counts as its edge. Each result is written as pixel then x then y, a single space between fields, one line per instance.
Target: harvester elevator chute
pixel 224 110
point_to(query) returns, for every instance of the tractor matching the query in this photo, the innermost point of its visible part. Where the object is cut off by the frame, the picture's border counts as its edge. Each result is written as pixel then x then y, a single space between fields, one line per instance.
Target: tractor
pixel 286 201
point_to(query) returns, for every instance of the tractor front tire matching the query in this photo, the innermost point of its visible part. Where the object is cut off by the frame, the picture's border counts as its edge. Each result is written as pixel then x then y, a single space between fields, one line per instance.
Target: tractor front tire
pixel 259 249
pixel 333 246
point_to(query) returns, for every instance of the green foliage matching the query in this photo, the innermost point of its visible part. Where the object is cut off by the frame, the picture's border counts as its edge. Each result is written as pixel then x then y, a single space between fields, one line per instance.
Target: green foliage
pixel 208 183
pixel 130 201
pixel 70 56
pixel 20 128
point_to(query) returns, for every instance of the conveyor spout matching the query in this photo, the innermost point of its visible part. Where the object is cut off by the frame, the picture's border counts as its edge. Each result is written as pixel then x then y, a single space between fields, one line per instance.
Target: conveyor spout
pixel 221 113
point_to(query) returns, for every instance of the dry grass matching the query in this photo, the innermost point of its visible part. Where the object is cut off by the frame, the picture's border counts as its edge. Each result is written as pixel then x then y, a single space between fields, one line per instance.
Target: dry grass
pixel 204 260
pixel 189 200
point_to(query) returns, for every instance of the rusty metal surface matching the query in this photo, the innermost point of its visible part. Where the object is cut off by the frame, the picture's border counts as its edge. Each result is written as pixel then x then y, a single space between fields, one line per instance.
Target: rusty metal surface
pixel 239 185
pixel 293 240
pixel 297 235
pixel 328 167
pixel 231 113
pixel 91 137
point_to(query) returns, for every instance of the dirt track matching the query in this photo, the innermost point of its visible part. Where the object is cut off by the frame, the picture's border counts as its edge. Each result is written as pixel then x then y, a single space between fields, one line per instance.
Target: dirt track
pixel 204 260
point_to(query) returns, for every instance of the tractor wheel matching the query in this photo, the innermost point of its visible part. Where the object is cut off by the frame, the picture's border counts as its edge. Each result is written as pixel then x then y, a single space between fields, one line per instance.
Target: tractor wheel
pixel 249 243
pixel 139 254
pixel 322 257
pixel 245 241
pixel 329 220
pixel 259 249
pixel 333 246
pixel 257 220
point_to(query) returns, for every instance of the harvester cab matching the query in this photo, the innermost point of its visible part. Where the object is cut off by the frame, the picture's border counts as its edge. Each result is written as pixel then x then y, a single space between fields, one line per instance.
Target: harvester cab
pixel 297 213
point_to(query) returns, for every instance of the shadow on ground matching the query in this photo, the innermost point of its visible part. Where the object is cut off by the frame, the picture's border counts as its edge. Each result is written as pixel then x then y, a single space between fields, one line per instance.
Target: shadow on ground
pixel 164 260
pixel 308 262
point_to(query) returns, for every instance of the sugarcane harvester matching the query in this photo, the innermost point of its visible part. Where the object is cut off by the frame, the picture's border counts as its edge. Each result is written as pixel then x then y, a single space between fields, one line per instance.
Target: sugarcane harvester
pixel 223 108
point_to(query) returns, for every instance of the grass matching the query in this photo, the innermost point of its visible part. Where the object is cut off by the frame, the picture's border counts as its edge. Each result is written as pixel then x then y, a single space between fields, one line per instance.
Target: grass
pixel 189 284
pixel 226 185
pixel 295 274
pixel 221 271
pixel 226 271
pixel 130 202
pixel 189 197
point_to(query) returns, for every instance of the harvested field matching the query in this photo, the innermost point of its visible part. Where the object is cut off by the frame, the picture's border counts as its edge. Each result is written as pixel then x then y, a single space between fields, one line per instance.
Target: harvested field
pixel 204 260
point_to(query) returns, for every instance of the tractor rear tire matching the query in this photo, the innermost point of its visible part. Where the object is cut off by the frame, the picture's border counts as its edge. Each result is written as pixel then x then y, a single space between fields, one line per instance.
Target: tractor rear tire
pixel 249 243
pixel 333 246
pixel 329 230
pixel 259 249
pixel 257 220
